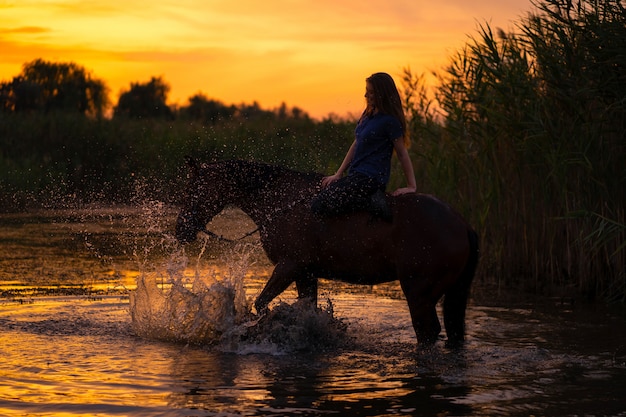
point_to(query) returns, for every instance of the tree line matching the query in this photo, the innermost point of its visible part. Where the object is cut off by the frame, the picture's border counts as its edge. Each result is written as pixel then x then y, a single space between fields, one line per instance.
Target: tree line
pixel 524 133
pixel 48 87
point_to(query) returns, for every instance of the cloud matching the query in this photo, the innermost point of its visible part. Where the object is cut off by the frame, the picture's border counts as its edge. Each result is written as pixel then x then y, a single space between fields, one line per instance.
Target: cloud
pixel 25 30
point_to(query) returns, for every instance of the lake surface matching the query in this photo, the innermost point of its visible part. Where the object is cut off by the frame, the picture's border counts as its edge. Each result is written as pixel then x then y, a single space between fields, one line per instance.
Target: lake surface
pixel 102 314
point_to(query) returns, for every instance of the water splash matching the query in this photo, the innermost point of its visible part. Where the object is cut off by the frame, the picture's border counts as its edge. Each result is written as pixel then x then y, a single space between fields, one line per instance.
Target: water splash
pixel 208 307
pixel 295 327
pixel 195 309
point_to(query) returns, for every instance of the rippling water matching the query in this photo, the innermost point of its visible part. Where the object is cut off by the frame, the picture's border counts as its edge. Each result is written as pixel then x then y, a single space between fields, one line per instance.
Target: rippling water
pixel 73 343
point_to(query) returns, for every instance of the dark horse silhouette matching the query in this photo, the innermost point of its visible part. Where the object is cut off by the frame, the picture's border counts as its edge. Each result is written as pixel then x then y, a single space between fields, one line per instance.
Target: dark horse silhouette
pixel 428 247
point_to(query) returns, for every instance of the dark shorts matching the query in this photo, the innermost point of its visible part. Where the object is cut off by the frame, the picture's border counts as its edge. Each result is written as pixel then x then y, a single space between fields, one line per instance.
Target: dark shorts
pixel 346 195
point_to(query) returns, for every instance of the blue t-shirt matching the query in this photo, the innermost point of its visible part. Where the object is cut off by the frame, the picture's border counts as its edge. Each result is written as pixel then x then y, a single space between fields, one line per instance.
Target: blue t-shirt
pixel 375 136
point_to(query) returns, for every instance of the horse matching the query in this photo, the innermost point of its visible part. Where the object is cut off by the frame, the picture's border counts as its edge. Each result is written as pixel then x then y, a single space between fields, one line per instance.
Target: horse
pixel 427 246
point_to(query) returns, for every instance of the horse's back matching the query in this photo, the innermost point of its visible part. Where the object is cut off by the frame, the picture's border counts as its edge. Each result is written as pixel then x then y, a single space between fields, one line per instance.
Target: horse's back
pixel 419 211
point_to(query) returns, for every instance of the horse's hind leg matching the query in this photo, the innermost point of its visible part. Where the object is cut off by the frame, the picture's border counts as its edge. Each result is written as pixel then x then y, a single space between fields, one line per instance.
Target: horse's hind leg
pixel 454 306
pixel 425 321
pixel 456 297
pixel 423 312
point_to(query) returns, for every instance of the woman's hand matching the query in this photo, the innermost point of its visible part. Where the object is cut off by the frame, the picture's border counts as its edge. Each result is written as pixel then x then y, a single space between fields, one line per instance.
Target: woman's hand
pixel 405 190
pixel 326 181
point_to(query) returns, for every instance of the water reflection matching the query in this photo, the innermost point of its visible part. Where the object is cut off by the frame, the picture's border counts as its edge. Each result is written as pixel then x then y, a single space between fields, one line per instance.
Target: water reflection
pixel 311 385
pixel 78 373
pixel 403 384
pixel 218 382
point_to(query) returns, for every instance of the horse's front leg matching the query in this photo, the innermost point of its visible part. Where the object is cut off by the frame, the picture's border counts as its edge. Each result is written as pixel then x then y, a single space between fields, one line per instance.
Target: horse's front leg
pixel 284 274
pixel 422 306
pixel 306 284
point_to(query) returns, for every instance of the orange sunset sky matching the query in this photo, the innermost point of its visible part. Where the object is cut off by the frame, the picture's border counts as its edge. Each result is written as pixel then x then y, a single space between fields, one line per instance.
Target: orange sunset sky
pixel 314 54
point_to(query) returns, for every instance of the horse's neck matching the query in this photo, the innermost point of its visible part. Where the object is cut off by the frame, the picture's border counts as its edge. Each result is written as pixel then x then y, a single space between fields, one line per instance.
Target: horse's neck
pixel 271 201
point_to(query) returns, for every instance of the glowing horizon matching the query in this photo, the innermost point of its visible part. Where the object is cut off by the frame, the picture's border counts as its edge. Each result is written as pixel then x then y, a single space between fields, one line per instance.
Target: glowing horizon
pixel 313 55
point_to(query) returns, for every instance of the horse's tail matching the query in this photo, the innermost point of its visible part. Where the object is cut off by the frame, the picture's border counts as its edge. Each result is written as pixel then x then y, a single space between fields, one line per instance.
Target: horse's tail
pixel 455 300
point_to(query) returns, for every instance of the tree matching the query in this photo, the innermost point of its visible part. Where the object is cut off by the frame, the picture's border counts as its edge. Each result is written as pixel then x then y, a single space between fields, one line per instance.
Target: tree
pixel 283 112
pixel 47 86
pixel 147 100
pixel 207 110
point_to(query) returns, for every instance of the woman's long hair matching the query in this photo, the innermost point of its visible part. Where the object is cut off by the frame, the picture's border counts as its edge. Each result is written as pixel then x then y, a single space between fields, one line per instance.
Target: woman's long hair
pixel 387 101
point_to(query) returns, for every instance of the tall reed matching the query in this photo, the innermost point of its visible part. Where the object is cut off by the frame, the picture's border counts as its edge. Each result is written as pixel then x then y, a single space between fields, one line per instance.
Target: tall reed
pixel 532 148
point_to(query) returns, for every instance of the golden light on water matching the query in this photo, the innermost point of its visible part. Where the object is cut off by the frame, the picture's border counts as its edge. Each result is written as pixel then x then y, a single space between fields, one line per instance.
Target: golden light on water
pixel 310 54
pixel 75 355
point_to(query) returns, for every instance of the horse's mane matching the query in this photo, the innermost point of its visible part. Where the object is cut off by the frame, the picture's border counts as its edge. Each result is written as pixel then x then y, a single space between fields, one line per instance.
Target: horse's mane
pixel 260 174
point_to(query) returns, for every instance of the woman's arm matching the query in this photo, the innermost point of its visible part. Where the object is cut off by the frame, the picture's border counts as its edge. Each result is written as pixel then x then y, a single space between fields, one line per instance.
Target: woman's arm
pixel 407 167
pixel 326 181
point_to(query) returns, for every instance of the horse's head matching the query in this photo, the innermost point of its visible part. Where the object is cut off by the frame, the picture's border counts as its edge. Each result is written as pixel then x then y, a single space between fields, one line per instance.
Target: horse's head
pixel 203 200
